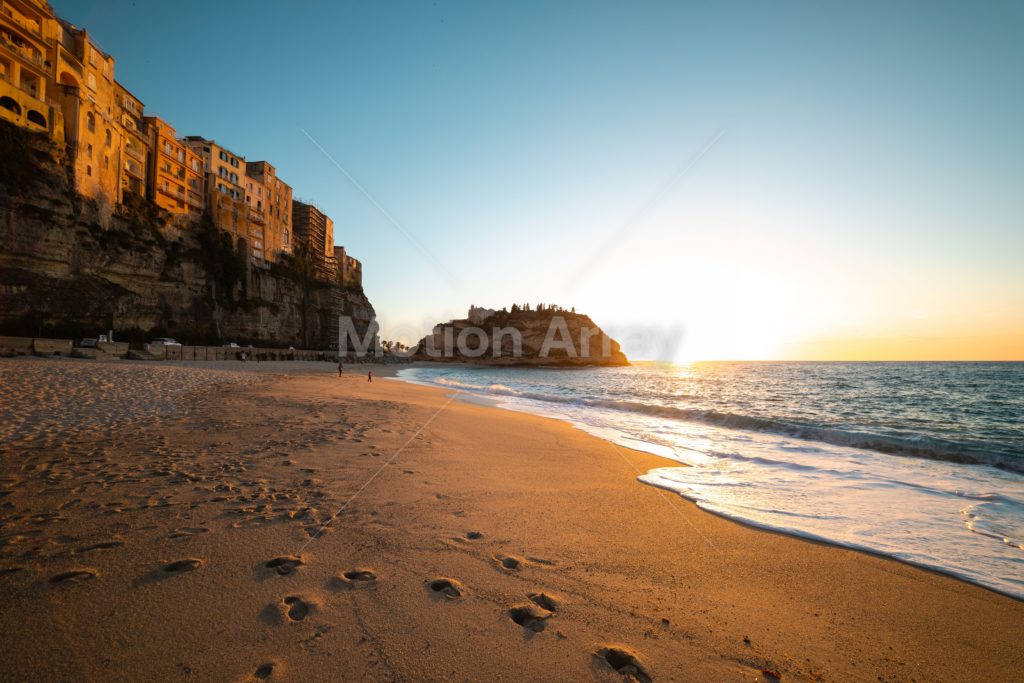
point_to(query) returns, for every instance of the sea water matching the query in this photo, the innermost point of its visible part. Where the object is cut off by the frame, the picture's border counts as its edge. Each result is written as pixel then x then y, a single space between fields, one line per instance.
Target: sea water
pixel 923 462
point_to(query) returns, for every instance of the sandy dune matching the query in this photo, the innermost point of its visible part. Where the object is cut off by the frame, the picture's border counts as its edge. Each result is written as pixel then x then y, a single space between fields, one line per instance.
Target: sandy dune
pixel 227 523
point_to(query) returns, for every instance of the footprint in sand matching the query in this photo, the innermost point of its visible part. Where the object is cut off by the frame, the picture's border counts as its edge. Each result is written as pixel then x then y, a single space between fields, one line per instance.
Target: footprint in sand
pixel 188 532
pixel 286 564
pixel 263 672
pixel 530 616
pixel 73 576
pixel 623 660
pixel 545 601
pixel 533 616
pixel 296 608
pixel 509 562
pixel 443 587
pixel 8 571
pixel 103 545
pixel 355 578
pixel 185 565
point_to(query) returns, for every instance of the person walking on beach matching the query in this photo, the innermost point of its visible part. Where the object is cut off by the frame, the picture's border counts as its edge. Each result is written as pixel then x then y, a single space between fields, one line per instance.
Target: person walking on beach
pixel 369 375
pixel 339 367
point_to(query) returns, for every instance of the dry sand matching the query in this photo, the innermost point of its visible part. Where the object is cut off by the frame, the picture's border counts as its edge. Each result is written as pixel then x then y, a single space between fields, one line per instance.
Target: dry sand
pixel 166 522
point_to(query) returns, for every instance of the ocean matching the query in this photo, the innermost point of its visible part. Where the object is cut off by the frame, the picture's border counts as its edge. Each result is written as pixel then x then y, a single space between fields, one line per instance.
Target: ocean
pixel 923 462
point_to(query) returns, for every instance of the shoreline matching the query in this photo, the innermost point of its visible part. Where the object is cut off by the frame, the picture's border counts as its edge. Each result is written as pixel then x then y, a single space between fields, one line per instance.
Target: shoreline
pixel 691 595
pixel 497 403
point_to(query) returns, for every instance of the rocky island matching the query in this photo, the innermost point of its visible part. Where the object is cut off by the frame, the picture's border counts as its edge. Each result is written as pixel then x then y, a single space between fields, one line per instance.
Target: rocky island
pixel 522 336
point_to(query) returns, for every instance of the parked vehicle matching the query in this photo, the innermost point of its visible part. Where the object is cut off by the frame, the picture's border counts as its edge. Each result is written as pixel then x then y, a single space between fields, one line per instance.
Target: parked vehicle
pixel 88 343
pixel 165 341
pixel 231 345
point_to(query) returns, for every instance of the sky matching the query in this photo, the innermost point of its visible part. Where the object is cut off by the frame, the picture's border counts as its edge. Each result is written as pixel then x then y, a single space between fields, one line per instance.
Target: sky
pixel 753 180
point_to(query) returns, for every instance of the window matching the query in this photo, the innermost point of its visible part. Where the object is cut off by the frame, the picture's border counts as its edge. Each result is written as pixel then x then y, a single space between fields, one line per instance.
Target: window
pixel 88 151
pixel 106 161
pixel 223 156
pixel 234 177
pixel 90 121
pixel 88 170
pixel 109 138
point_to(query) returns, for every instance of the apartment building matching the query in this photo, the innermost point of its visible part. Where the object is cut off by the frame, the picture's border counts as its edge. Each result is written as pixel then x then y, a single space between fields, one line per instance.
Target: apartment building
pixel 315 229
pixel 225 193
pixel 176 182
pixel 270 207
pixel 89 104
pixel 28 53
pixel 135 142
pixel 55 78
pixel 350 270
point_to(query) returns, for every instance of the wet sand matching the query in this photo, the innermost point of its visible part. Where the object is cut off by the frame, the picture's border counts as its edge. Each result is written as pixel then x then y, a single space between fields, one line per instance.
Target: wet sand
pixel 230 522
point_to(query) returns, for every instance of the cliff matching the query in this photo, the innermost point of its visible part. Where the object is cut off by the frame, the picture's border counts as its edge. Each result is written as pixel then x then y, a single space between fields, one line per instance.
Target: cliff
pixel 71 267
pixel 549 337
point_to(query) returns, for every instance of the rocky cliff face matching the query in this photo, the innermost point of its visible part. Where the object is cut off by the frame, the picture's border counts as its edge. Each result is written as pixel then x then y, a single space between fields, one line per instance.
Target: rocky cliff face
pixel 70 267
pixel 522 338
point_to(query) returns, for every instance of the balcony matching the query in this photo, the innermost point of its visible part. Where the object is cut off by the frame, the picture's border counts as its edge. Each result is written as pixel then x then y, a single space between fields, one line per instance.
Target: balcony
pixel 31 26
pixel 69 58
pixel 34 58
pixel 196 200
pixel 135 151
pixel 134 169
pixel 256 216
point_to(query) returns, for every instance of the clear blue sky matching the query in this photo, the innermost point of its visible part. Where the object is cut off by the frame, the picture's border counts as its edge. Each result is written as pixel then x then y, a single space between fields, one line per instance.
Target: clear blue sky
pixel 864 199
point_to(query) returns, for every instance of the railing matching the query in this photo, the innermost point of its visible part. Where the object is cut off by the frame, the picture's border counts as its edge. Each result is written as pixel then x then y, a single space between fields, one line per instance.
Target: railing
pixel 134 169
pixel 135 152
pixel 28 55
pixel 21 22
pixel 71 59
pixel 24 88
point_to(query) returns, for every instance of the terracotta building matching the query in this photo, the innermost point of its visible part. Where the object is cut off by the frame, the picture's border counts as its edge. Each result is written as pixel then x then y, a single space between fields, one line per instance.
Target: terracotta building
pixel 135 142
pixel 350 270
pixel 175 172
pixel 225 195
pixel 270 209
pixel 28 57
pixel 315 230
pixel 89 104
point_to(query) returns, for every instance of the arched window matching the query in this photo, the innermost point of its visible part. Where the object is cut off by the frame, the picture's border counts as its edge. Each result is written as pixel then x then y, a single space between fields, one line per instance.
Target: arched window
pixel 90 121
pixel 10 104
pixel 37 118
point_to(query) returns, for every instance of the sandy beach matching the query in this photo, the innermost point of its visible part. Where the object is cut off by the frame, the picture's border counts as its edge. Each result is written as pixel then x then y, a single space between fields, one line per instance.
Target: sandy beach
pixel 272 521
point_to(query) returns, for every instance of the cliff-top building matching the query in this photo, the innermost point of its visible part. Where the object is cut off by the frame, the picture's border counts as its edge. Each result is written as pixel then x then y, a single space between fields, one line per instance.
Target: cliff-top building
pixel 270 209
pixel 91 126
pixel 28 55
pixel 135 142
pixel 225 195
pixel 315 229
pixel 55 79
pixel 175 172
pixel 350 270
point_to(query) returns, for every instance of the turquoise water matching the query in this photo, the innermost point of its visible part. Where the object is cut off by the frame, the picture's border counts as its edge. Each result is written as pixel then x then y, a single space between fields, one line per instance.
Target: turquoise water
pixel 920 461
